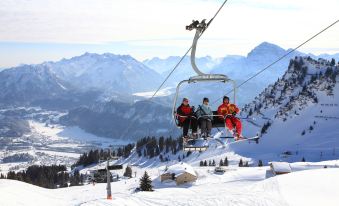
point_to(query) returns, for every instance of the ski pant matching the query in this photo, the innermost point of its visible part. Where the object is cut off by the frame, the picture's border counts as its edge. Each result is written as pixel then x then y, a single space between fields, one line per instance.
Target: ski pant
pixel 189 123
pixel 205 126
pixel 233 121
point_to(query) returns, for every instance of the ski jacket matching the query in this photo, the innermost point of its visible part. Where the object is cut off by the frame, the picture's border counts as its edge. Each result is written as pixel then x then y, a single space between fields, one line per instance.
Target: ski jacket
pixel 226 109
pixel 204 110
pixel 184 111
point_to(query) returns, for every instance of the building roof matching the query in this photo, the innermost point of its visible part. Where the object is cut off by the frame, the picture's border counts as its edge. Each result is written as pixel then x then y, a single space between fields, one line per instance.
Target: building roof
pixel 179 169
pixel 281 167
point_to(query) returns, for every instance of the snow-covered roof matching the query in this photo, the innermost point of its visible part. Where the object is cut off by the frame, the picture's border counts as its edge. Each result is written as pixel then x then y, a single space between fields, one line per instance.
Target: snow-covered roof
pixel 180 168
pixel 281 167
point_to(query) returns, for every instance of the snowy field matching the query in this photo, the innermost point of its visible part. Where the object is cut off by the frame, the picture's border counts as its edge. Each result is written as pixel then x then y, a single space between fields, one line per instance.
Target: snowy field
pixel 48 144
pixel 238 186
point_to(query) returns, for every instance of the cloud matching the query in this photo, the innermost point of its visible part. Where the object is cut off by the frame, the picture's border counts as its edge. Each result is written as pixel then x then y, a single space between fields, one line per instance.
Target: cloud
pixel 141 24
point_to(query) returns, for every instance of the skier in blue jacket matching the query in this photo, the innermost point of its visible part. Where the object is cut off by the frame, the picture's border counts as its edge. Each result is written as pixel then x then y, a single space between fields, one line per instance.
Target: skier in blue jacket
pixel 204 114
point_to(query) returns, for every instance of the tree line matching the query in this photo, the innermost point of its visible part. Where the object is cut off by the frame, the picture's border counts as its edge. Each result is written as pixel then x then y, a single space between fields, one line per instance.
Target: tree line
pixel 151 147
pixel 54 176
pixel 93 156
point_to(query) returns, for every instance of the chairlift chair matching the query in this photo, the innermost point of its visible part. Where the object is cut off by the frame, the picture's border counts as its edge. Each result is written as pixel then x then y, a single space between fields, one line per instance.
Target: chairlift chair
pixel 204 78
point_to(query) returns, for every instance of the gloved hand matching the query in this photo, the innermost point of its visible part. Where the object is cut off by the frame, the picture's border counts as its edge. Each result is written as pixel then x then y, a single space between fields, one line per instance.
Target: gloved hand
pixel 193 108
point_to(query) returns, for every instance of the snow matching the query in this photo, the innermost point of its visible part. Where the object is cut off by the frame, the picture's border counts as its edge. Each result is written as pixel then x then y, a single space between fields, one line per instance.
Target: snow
pixel 108 72
pixel 237 186
pixel 321 189
pixel 59 154
pixel 52 144
pixel 281 167
pixel 180 168
pixel 285 135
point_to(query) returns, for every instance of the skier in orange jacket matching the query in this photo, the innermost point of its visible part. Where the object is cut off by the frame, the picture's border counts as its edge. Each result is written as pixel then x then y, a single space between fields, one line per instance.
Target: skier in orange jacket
pixel 228 111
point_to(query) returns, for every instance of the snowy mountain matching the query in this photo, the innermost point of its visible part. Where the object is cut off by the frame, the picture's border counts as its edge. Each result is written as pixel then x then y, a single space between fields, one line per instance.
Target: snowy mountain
pixel 329 56
pixel 260 57
pixel 184 70
pixel 236 67
pixel 298 114
pixel 106 72
pixel 77 81
pixel 29 83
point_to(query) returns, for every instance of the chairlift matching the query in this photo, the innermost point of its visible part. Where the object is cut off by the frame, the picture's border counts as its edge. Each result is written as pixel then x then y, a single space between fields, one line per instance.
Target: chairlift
pixel 199 143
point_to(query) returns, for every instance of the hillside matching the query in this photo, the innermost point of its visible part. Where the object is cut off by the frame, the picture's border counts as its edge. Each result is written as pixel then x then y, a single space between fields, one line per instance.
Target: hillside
pixel 122 120
pixel 238 186
pixel 300 113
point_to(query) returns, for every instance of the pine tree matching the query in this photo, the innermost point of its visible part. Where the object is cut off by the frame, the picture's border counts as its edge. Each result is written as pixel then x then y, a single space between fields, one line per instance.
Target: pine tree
pixel 146 183
pixel 188 153
pixel 303 159
pixel 226 162
pixel 250 112
pixel 221 163
pixel 332 62
pixel 209 163
pixel 241 163
pixel 246 164
pixel 161 143
pixel 128 172
pixel 161 158
pixel 201 163
pixel 213 163
pixel 260 164
pixel 205 163
pixel 75 179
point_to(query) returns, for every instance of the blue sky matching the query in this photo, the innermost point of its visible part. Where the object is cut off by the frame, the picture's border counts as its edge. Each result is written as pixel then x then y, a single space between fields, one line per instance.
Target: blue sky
pixel 33 31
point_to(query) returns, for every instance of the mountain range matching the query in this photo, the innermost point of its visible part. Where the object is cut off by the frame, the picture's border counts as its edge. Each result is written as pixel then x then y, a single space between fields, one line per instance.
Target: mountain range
pixel 84 83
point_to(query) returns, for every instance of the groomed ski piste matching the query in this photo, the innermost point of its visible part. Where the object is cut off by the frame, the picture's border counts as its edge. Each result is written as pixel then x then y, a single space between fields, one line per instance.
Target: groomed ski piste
pixel 308 184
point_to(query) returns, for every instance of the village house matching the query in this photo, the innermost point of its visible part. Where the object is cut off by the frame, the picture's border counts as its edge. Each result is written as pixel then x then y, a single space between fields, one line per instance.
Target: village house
pixel 180 173
pixel 279 168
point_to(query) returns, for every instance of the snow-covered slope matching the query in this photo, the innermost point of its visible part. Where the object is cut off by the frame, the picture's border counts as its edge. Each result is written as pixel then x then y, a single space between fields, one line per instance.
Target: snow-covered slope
pixel 239 186
pixel 301 113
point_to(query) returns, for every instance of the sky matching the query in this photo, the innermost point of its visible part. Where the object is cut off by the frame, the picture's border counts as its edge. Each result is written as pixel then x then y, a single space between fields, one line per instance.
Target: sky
pixel 34 31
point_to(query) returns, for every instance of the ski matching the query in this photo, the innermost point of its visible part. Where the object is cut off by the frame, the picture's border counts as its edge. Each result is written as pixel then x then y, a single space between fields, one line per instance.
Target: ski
pixel 255 139
pixel 224 139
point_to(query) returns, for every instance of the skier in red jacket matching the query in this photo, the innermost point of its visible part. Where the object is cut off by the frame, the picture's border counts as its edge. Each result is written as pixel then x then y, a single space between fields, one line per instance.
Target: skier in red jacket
pixel 228 111
pixel 186 118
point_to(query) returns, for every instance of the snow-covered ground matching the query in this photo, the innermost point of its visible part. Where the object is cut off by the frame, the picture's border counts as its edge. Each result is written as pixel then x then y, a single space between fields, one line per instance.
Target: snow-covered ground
pixel 304 129
pixel 52 144
pixel 237 186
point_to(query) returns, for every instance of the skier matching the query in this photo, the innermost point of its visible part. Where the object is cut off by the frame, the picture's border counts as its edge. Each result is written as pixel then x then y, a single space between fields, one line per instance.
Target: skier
pixel 205 118
pixel 228 111
pixel 186 118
